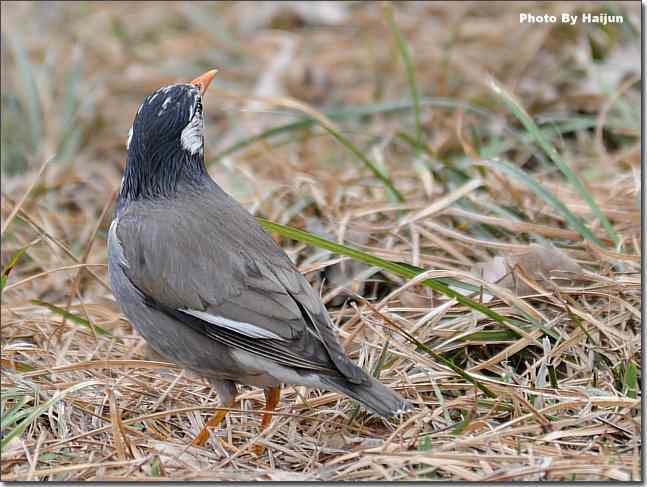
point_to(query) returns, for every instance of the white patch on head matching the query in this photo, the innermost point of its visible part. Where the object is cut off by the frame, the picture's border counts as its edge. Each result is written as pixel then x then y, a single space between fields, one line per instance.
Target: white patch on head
pixel 191 136
pixel 169 87
pixel 248 329
pixel 130 136
pixel 164 105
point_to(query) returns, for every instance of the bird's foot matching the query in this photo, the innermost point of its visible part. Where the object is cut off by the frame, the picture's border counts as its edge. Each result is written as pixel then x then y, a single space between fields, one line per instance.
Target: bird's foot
pixel 272 398
pixel 217 418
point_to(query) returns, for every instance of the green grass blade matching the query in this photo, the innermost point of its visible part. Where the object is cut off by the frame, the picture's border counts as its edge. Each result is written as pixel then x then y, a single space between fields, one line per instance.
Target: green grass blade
pixel 31 96
pixel 410 69
pixel 73 81
pixel 439 358
pixel 517 109
pixel 398 269
pixel 462 425
pixel 71 134
pixel 445 280
pixel 156 466
pixel 241 144
pixel 631 380
pixel 390 107
pixel 381 360
pixel 37 411
pixel 552 376
pixel 377 172
pixel 424 443
pixel 330 128
pixel 490 336
pixel 384 108
pixel 11 264
pixel 72 317
pixel 573 220
pixel 16 413
pixel 404 270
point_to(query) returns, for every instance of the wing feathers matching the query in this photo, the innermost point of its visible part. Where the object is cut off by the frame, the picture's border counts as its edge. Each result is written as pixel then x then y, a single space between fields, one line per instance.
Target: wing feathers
pixel 229 281
pixel 246 329
pixel 271 349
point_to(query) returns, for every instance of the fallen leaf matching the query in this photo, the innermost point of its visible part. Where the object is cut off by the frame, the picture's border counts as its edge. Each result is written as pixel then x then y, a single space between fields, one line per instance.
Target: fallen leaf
pixel 286 15
pixel 539 263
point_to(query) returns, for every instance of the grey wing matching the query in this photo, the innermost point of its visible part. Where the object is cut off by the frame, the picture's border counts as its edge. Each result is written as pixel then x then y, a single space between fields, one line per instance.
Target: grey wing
pixel 242 292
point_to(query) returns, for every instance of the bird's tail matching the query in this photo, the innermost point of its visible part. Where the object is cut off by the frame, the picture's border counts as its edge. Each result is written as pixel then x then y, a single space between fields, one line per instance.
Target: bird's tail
pixel 371 393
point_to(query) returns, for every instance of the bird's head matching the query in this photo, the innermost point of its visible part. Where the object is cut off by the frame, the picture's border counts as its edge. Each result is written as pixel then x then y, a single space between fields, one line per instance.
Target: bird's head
pixel 166 142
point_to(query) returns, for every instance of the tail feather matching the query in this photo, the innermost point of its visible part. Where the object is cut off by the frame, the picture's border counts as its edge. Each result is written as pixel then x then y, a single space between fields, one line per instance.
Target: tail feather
pixel 371 393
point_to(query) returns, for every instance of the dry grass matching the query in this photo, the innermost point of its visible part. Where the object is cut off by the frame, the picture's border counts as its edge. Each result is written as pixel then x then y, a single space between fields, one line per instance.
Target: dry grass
pixel 81 398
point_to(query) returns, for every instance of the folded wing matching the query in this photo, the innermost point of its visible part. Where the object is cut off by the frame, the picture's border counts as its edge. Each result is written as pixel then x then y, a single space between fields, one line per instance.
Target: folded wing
pixel 231 283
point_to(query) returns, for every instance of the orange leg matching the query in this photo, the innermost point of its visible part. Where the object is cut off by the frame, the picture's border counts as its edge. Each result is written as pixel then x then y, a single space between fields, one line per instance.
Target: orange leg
pixel 272 398
pixel 217 418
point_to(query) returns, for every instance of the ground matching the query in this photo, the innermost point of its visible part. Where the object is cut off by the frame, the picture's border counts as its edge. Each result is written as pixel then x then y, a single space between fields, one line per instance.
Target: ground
pixel 467 189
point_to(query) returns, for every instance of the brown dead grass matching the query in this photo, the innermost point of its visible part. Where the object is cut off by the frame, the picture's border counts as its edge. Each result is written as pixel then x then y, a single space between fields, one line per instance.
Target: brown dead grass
pixel 132 418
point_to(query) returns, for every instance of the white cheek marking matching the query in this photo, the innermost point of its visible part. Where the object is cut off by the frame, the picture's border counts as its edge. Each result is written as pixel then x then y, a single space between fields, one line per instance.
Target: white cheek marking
pixel 191 137
pixel 130 136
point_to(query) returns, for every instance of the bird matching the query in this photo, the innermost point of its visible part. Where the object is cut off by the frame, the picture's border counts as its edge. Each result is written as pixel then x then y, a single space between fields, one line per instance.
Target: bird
pixel 205 285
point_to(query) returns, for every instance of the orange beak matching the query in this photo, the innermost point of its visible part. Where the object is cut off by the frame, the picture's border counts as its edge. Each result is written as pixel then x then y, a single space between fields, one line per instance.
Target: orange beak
pixel 204 80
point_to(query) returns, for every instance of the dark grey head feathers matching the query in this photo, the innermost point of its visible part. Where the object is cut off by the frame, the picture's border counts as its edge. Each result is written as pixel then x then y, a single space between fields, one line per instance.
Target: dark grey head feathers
pixel 165 143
